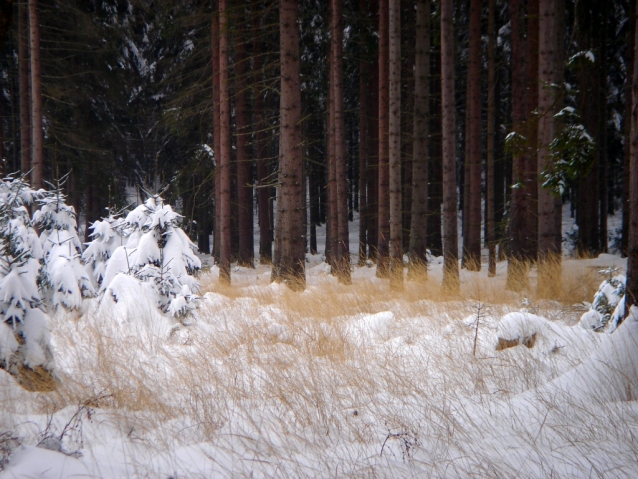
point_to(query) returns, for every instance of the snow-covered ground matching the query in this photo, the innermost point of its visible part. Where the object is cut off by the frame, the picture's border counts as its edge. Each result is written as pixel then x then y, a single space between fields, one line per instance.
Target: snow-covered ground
pixel 338 381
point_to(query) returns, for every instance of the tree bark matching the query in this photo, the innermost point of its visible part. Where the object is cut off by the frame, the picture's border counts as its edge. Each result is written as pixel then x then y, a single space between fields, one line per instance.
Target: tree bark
pixel 451 281
pixel 383 193
pixel 420 155
pixel 291 267
pixel 225 251
pixel 332 228
pixel 342 262
pixel 630 59
pixel 520 254
pixel 548 248
pixel 244 155
pixel 25 94
pixel 364 142
pixel 394 136
pixel 37 133
pixel 491 138
pixel 632 250
pixel 263 192
pixel 216 130
pixel 435 167
pixel 472 255
pixel 588 19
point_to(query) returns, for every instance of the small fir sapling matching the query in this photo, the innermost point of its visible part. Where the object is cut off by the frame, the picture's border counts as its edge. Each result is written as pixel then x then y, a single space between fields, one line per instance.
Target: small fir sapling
pixel 159 252
pixel 24 334
pixel 65 279
pixel 107 235
pixel 608 308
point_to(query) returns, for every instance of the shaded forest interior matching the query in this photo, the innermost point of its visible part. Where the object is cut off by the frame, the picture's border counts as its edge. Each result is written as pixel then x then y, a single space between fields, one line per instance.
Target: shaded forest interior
pixel 517 106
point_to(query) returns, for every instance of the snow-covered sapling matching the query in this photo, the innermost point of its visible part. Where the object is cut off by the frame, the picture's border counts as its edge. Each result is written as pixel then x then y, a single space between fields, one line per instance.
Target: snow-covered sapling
pixel 24 334
pixel 608 308
pixel 65 280
pixel 159 252
pixel 107 235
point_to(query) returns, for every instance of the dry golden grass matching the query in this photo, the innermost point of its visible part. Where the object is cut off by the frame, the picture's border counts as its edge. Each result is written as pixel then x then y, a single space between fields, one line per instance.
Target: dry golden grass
pixel 286 374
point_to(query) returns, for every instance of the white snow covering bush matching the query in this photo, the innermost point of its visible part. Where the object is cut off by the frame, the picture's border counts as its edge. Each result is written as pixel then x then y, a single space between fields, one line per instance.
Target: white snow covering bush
pixel 608 307
pixel 24 335
pixel 65 279
pixel 107 236
pixel 158 252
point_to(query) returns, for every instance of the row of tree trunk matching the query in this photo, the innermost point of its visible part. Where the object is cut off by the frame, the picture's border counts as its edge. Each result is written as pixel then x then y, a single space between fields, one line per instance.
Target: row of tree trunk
pixel 534 223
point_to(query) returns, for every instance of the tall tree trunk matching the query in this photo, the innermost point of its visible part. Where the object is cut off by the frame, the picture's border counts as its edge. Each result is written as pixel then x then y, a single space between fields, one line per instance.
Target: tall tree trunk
pixel 548 254
pixel 263 192
pixel 588 19
pixel 491 138
pixel 216 130
pixel 373 164
pixel 341 182
pixel 394 136
pixel 630 59
pixel 364 142
pixel 632 246
pixel 225 245
pixel 25 94
pixel 531 175
pixel 37 133
pixel 244 154
pixel 603 163
pixel 473 201
pixel 518 261
pixel 332 228
pixel 451 281
pixel 420 144
pixel 291 268
pixel 435 167
pixel 383 193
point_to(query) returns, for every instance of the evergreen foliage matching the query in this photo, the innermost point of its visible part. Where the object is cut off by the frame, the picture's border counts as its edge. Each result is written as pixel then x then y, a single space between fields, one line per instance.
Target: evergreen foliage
pixel 157 251
pixel 24 335
pixel 65 281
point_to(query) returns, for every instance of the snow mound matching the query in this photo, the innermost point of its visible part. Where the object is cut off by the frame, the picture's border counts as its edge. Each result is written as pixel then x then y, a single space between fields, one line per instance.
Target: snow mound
pixel 609 374
pixel 373 326
pixel 30 461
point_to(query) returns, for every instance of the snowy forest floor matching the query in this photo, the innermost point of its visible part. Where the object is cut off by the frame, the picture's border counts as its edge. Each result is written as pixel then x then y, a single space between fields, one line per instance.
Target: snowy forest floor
pixel 336 381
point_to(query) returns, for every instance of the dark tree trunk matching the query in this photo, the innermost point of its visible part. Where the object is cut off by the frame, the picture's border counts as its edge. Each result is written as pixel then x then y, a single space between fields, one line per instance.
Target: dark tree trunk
pixel 394 137
pixel 25 94
pixel 383 192
pixel 244 156
pixel 472 255
pixel 588 19
pixel 290 261
pixel 364 141
pixel 37 133
pixel 630 58
pixel 491 138
pixel 632 250
pixel 225 245
pixel 263 191
pixel 548 249
pixel 420 156
pixel 216 131
pixel 373 165
pixel 435 167
pixel 451 280
pixel 341 182
pixel 520 252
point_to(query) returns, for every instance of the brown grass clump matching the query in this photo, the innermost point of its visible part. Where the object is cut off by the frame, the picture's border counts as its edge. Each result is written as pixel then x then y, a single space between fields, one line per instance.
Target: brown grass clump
pixel 37 379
